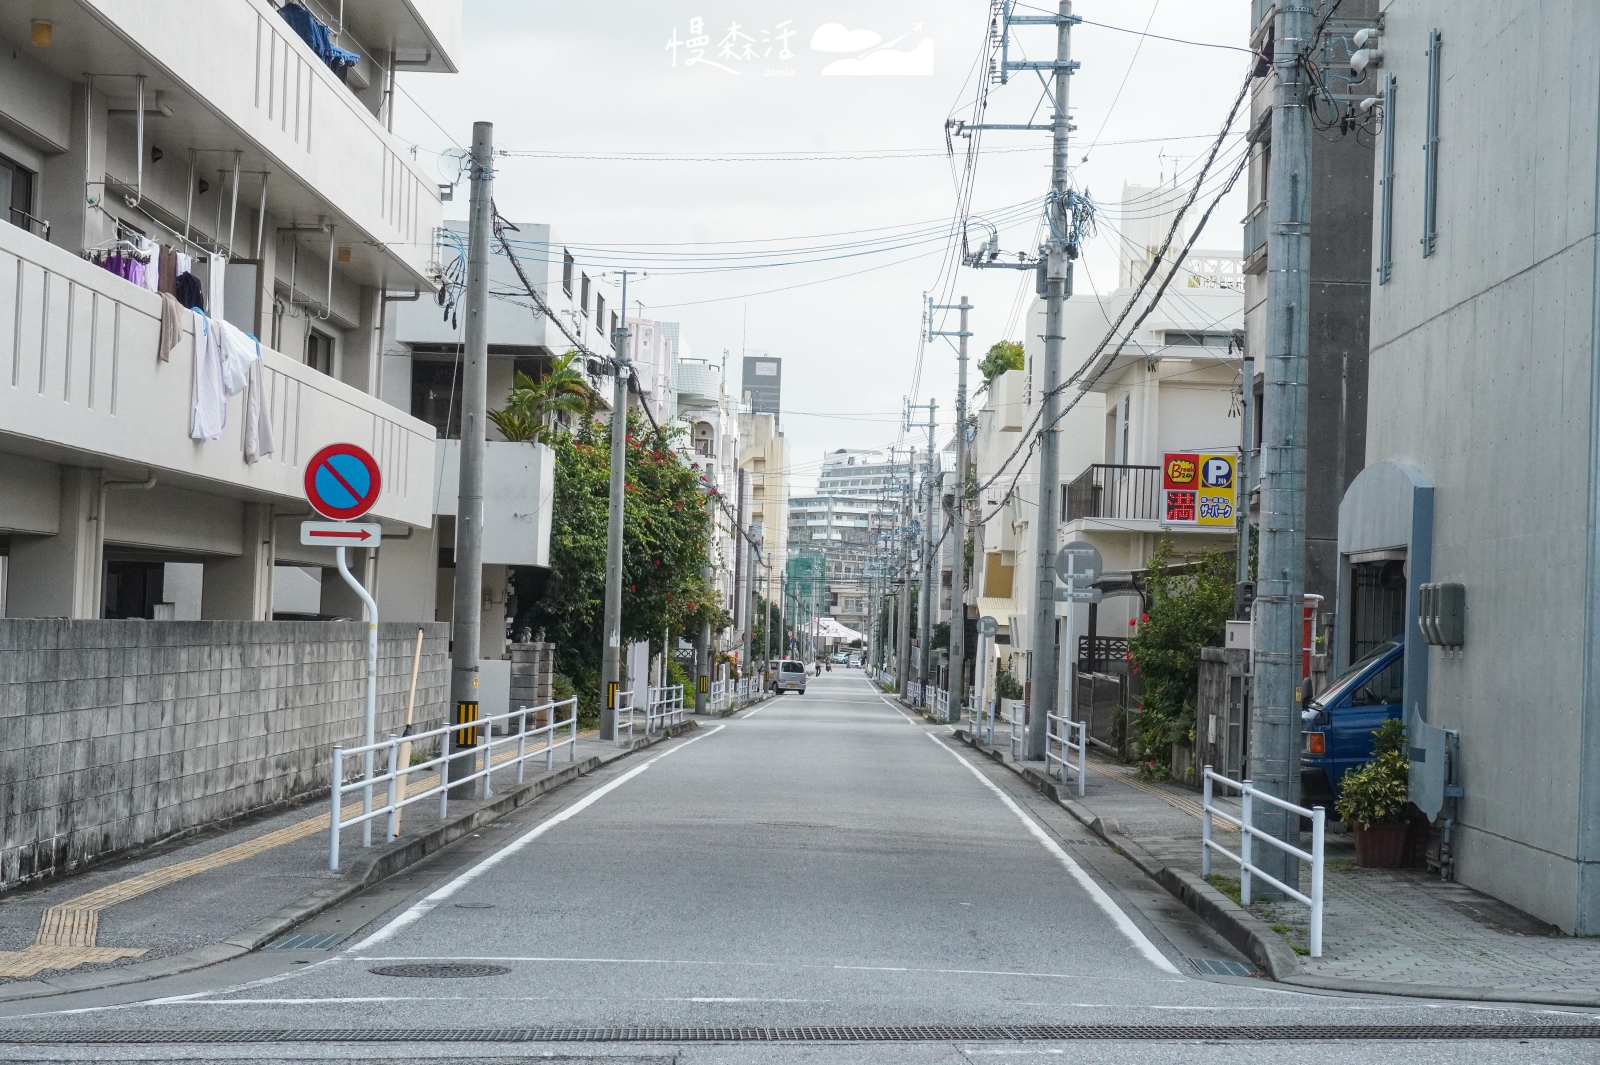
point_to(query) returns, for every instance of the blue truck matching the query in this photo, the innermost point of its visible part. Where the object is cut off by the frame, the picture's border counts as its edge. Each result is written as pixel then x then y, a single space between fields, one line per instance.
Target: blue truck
pixel 1336 726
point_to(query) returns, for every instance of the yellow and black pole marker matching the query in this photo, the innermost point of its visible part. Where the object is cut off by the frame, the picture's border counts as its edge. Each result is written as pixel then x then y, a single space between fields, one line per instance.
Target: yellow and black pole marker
pixel 466 714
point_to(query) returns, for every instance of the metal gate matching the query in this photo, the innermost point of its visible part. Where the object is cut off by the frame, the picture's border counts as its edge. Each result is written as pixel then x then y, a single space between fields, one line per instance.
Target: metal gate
pixel 1377 605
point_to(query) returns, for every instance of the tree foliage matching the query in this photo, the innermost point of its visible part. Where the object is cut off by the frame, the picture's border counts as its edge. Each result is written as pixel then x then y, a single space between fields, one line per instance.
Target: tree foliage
pixel 1186 609
pixel 665 545
pixel 532 401
pixel 1003 355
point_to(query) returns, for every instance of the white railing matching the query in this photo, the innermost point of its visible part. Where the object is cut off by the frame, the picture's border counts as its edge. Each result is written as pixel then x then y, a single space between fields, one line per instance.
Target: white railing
pixel 393 780
pixel 627 716
pixel 1248 832
pixel 914 693
pixel 1058 740
pixel 718 696
pixel 1016 717
pixel 665 707
pixel 982 718
pixel 941 705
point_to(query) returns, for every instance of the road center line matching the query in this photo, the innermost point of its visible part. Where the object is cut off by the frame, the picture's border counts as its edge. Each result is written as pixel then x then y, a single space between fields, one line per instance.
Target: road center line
pixel 422 906
pixel 1123 922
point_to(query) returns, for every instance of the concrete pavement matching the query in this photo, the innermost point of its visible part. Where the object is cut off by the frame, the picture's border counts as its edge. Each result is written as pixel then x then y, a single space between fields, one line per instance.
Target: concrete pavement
pixel 819 860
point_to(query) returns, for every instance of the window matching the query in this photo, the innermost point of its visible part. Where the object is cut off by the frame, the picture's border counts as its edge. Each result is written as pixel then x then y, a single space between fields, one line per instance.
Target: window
pixel 615 327
pixel 1386 689
pixel 1386 184
pixel 583 299
pixel 599 311
pixel 16 195
pixel 319 352
pixel 1430 150
pixel 1197 340
pixel 566 271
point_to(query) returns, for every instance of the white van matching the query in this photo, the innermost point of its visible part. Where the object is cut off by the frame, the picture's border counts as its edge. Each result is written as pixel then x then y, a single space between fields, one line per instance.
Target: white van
pixel 790 677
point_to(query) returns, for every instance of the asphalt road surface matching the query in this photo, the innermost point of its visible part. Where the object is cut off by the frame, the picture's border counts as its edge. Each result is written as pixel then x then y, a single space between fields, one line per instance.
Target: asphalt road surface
pixel 821 862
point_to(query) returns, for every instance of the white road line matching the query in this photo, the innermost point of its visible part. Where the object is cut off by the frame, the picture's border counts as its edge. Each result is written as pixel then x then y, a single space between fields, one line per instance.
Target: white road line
pixel 890 704
pixel 422 906
pixel 756 711
pixel 1124 924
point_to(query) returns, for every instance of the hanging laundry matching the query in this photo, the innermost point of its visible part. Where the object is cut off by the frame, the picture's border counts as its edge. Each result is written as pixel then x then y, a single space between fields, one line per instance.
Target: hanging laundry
pixel 168 270
pixel 257 414
pixel 151 271
pixel 209 406
pixel 316 34
pixel 172 319
pixel 239 350
pixel 188 290
pixel 185 263
pixel 216 270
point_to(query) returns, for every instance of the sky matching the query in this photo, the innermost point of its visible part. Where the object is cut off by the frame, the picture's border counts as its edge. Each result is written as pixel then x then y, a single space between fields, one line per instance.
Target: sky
pixel 819 250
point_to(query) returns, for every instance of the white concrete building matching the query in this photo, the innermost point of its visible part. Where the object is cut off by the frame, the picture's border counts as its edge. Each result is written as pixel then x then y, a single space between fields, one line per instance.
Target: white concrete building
pixel 1482 426
pixel 249 148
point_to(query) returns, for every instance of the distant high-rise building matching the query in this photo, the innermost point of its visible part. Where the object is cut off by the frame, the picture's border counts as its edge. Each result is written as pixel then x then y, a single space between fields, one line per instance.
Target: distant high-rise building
pixel 763 384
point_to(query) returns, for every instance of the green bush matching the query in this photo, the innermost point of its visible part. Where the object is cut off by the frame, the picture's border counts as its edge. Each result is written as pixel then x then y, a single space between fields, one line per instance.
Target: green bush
pixel 1007 686
pixel 1377 793
pixel 676 674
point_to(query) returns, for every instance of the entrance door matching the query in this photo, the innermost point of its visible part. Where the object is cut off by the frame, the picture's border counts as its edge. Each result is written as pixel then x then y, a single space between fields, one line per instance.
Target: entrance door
pixel 1377 605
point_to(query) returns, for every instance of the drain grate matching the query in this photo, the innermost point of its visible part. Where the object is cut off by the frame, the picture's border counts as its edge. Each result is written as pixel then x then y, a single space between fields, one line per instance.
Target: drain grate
pixel 1084 842
pixel 440 970
pixel 307 941
pixel 1220 967
pixel 960 1033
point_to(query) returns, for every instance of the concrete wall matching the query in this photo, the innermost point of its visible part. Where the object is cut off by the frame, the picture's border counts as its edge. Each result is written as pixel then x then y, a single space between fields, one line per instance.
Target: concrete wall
pixel 115 734
pixel 1483 376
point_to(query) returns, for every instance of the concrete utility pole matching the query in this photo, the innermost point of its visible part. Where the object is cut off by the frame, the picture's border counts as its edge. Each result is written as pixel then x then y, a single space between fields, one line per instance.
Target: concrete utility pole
pixel 753 564
pixel 903 628
pixel 611 653
pixel 1241 490
pixel 958 576
pixel 1058 276
pixel 741 554
pixel 466 617
pixel 1275 721
pixel 926 613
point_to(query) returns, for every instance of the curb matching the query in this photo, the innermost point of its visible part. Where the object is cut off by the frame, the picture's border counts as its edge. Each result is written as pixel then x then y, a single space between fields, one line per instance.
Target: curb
pixel 1248 934
pixel 372 869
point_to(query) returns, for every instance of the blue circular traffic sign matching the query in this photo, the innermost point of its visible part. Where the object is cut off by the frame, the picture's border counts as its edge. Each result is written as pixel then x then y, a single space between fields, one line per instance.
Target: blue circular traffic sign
pixel 342 482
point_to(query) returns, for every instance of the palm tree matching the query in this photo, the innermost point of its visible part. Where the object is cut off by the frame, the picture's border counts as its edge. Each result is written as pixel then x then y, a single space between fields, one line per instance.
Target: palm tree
pixel 531 402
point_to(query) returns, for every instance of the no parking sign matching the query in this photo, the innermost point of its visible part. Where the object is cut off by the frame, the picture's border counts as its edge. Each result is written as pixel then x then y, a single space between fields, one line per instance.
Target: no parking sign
pixel 342 482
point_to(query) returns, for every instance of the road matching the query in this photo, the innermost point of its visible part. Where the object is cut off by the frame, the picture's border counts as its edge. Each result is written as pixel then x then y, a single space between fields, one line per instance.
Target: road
pixel 820 860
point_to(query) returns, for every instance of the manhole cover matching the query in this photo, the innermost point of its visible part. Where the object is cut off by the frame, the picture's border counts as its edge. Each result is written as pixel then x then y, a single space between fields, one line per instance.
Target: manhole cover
pixel 440 971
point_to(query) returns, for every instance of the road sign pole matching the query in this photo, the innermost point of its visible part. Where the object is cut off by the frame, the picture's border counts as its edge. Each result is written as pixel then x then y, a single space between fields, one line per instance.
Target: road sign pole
pixel 467 607
pixel 372 688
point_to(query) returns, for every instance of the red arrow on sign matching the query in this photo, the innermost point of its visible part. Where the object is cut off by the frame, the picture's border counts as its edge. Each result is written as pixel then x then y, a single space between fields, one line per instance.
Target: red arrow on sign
pixel 322 532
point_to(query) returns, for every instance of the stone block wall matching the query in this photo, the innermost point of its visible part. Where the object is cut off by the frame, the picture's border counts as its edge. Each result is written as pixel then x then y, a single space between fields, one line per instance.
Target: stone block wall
pixel 533 668
pixel 117 734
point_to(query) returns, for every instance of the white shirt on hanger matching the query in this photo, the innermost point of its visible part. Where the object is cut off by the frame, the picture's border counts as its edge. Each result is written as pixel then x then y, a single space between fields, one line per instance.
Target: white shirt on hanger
pixel 209 407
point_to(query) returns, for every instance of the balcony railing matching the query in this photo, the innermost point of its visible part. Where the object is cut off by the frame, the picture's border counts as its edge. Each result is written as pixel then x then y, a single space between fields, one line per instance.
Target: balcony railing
pixel 1255 233
pixel 1130 493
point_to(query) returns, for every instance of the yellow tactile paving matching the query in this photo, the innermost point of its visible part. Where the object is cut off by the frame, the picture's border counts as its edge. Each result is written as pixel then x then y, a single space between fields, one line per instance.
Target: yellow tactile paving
pixel 1128 776
pixel 67 930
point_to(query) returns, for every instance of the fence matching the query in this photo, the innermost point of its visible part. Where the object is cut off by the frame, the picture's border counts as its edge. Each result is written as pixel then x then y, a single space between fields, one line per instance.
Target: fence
pixel 1017 717
pixel 1114 491
pixel 983 721
pixel 664 708
pixel 941 705
pixel 914 693
pixel 1249 832
pixel 393 780
pixel 1058 740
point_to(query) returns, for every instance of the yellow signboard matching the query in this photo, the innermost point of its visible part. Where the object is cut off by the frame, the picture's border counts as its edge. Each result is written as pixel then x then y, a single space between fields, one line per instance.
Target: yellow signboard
pixel 1199 489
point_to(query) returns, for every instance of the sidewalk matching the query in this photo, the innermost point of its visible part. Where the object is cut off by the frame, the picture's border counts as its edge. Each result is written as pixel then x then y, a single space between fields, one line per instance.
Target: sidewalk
pixel 1385 931
pixel 227 892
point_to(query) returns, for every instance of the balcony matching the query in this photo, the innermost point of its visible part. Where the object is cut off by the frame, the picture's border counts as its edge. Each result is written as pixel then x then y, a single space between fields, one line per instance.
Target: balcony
pixel 1124 493
pixel 257 88
pixel 81 385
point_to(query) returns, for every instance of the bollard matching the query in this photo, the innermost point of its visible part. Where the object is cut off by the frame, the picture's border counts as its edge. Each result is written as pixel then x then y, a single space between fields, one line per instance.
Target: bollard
pixel 333 816
pixel 1083 756
pixel 522 741
pixel 1244 843
pixel 394 789
pixel 488 759
pixel 1205 823
pixel 1319 818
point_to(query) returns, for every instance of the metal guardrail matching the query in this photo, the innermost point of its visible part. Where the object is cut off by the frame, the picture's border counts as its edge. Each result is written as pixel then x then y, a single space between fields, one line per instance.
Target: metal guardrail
pixel 1057 740
pixel 625 707
pixel 664 708
pixel 394 777
pixel 1248 832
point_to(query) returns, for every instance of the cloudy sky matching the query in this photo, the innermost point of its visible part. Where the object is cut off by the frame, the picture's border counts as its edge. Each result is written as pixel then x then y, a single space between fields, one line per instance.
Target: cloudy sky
pixel 820 248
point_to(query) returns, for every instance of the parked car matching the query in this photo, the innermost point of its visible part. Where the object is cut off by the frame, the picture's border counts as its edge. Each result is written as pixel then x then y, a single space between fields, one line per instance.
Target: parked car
pixel 854 662
pixel 1336 726
pixel 839 658
pixel 789 677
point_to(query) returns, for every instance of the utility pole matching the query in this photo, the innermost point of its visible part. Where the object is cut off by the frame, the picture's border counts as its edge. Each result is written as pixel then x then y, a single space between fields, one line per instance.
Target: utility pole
pixel 903 629
pixel 1280 576
pixel 1241 493
pixel 611 653
pixel 958 575
pixel 926 612
pixel 466 617
pixel 741 557
pixel 753 563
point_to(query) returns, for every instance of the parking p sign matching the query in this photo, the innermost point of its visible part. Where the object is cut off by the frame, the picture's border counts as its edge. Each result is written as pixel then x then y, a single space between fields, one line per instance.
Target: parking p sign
pixel 1199 489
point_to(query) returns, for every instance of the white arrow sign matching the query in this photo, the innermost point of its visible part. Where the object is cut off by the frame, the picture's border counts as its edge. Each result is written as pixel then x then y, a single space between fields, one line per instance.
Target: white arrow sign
pixel 339 534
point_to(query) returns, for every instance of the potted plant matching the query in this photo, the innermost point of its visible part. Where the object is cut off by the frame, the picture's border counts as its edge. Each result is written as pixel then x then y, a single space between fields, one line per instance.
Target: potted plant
pixel 1373 799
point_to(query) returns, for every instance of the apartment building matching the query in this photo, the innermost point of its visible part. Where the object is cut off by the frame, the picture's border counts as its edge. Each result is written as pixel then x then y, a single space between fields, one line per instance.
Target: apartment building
pixel 136 139
pixel 710 420
pixel 841 529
